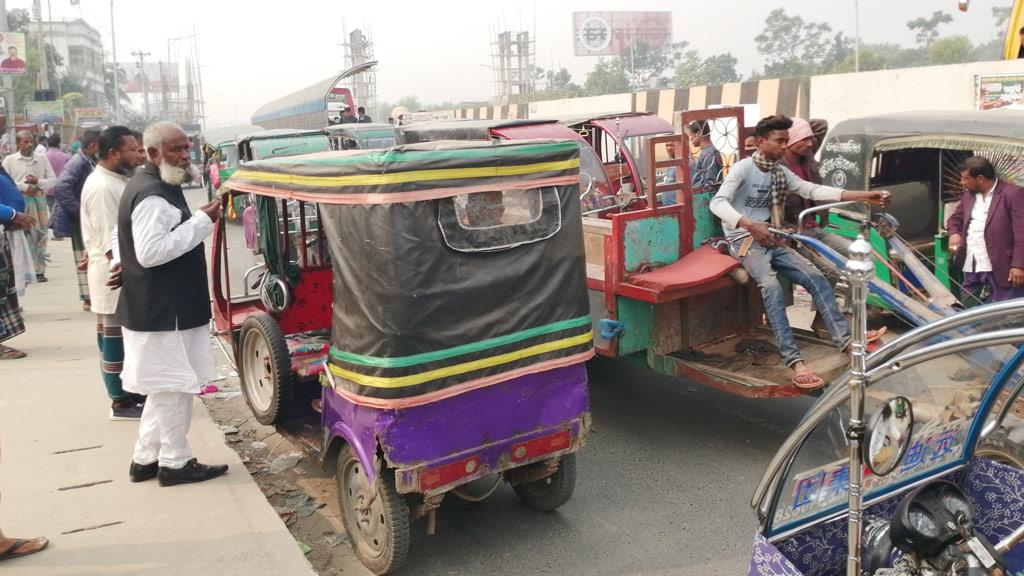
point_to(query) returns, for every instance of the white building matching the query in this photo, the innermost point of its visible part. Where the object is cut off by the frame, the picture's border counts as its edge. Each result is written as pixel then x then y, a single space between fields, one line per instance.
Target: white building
pixel 80 47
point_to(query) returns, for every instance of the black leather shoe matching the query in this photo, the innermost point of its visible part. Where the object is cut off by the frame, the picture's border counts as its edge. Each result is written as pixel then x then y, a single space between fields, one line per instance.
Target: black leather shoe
pixel 190 473
pixel 142 472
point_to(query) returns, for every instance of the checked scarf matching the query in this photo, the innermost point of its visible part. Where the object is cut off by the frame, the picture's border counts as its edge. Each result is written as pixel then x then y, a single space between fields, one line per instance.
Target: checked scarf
pixel 778 187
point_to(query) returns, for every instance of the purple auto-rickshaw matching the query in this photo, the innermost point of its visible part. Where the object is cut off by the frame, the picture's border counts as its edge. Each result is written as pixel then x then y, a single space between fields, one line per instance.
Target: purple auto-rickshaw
pixel 430 302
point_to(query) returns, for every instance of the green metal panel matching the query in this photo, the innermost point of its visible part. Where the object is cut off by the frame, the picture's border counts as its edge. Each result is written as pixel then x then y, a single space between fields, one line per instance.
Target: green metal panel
pixel 705 224
pixel 850 229
pixel 943 260
pixel 651 241
pixel 639 322
pixel 272 147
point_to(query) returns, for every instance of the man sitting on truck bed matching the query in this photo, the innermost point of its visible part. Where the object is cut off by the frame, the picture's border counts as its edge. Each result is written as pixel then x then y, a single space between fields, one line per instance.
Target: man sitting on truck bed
pixel 751 197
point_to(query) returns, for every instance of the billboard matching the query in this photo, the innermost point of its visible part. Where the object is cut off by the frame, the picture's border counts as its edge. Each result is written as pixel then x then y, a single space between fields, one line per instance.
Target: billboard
pixel 50 112
pixel 611 33
pixel 156 73
pixel 999 92
pixel 12 46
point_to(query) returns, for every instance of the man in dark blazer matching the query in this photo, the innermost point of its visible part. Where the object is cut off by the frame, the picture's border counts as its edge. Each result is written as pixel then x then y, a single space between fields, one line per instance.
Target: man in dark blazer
pixel 986 234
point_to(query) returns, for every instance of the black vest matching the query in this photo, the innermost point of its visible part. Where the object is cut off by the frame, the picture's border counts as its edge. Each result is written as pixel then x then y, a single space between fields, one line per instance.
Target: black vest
pixel 171 296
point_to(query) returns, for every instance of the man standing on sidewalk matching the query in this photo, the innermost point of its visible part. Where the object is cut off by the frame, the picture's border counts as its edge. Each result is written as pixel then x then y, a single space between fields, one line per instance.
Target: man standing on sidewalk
pixel 164 306
pixel 991 216
pixel 66 219
pixel 57 159
pixel 101 196
pixel 34 176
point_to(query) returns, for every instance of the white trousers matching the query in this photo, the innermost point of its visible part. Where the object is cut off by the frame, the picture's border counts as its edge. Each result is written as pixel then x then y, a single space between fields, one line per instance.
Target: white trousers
pixel 163 430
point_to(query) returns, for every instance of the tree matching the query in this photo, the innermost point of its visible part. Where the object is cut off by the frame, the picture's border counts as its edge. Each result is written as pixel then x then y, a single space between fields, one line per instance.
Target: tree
pixel 691 70
pixel 792 47
pixel 108 86
pixel 411 102
pixel 18 19
pixel 559 85
pixel 607 77
pixel 645 65
pixel 951 50
pixel 1001 15
pixel 883 57
pixel 927 29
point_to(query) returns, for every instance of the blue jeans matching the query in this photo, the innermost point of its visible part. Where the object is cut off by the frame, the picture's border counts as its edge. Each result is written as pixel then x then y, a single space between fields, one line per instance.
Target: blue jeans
pixel 763 264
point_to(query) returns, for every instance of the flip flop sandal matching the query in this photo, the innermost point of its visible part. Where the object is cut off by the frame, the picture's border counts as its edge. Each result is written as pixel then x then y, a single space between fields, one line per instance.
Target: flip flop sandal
pixel 12 354
pixel 807 380
pixel 873 335
pixel 12 552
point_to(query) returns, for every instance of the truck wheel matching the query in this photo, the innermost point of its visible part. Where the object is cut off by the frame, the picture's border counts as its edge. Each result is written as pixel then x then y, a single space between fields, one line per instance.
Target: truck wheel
pixel 265 369
pixel 549 493
pixel 375 516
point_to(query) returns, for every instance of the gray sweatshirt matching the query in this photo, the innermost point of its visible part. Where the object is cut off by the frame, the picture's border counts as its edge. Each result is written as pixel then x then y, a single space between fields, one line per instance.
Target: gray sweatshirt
pixel 747 191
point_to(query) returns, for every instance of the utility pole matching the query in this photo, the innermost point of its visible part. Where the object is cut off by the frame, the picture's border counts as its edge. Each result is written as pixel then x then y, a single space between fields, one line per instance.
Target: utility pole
pixel 117 73
pixel 8 82
pixel 145 81
pixel 43 81
pixel 856 35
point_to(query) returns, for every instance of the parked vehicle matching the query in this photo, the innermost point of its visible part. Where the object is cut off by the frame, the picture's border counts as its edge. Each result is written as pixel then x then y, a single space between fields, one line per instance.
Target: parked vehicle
pixel 917 156
pixel 381 327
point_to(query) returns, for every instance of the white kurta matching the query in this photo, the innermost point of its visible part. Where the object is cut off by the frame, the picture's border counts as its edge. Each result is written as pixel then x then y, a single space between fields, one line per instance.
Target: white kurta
pixel 176 360
pixel 101 196
pixel 976 258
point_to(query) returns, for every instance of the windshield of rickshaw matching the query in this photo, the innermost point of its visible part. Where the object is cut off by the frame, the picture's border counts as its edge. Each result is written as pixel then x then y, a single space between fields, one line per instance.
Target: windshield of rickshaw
pixel 948 395
pixel 290 146
pixel 636 147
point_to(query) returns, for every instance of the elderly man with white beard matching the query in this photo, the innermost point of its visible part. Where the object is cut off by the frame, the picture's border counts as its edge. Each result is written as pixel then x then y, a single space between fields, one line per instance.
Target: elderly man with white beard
pixel 164 306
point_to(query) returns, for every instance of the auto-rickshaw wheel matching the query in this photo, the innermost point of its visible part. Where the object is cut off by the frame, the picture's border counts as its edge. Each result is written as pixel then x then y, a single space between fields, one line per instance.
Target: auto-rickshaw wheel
pixel 265 369
pixel 375 516
pixel 549 493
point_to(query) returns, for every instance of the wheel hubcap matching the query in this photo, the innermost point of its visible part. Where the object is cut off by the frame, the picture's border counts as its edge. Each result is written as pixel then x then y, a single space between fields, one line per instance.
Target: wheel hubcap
pixel 362 504
pixel 259 371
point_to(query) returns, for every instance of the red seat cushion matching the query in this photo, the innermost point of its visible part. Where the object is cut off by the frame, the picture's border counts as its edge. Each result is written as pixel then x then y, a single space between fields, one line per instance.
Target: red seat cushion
pixel 701 266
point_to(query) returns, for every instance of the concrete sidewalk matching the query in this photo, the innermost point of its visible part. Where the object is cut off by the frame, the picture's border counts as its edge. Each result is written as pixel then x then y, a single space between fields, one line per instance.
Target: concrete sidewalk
pixel 64 467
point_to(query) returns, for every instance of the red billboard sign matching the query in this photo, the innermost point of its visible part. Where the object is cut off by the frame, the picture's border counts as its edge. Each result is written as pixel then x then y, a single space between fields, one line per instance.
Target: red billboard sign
pixel 611 33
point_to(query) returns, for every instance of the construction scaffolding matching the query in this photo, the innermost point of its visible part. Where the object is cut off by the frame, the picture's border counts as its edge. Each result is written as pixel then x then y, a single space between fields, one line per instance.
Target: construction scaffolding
pixel 513 60
pixel 359 50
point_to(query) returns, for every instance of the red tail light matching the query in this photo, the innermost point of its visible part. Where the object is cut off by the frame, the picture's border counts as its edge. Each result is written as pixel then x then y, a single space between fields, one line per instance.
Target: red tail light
pixel 444 475
pixel 541 446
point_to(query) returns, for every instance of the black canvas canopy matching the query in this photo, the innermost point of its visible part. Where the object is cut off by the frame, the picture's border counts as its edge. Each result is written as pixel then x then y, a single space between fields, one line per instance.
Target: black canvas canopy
pixel 456 265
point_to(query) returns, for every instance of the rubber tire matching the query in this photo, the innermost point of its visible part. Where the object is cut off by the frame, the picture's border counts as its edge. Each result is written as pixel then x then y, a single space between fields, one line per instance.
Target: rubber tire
pixel 397 518
pixel 549 493
pixel 1000 448
pixel 280 363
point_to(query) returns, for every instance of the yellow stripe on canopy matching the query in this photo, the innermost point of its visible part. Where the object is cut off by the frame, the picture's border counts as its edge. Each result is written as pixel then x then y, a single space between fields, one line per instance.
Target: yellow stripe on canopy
pixel 404 177
pixel 414 379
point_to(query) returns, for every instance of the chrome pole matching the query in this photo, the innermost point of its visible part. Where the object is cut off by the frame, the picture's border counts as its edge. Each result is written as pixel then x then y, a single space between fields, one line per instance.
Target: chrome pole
pixel 860 267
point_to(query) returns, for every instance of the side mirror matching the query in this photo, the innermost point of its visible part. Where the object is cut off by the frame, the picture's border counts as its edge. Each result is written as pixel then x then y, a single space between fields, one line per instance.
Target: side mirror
pixel 888 435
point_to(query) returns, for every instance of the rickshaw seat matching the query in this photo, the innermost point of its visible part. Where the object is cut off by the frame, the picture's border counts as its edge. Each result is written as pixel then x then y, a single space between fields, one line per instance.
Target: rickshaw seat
pixel 702 266
pixel 308 352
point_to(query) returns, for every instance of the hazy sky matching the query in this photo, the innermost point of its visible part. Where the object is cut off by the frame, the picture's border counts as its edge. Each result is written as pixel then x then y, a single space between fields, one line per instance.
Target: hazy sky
pixel 253 52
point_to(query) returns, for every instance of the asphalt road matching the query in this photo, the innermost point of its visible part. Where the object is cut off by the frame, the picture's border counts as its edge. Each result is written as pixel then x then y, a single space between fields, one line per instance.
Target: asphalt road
pixel 663 487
